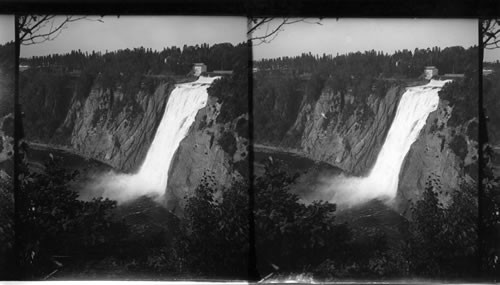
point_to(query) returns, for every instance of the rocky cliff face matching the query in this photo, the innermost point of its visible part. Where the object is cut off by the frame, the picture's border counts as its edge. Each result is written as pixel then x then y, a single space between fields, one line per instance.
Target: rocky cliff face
pixel 212 149
pixel 349 133
pixel 442 152
pixel 118 129
pixel 104 127
pixel 6 118
pixel 6 146
pixel 336 130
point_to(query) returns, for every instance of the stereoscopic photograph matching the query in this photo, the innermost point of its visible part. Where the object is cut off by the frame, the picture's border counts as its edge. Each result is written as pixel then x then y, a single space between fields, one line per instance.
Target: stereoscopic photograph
pixel 366 148
pixel 242 149
pixel 135 147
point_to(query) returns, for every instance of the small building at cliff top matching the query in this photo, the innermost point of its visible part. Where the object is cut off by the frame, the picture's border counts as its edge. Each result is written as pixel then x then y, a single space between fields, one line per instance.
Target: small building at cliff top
pixel 430 71
pixel 199 68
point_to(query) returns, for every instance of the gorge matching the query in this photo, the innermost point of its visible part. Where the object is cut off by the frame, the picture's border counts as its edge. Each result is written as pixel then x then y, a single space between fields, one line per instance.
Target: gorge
pixel 344 120
pixel 413 109
pixel 151 179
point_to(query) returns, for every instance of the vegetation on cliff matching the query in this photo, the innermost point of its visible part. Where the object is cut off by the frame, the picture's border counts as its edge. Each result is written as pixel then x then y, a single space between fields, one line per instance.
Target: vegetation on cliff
pixel 232 91
pixel 357 65
pixel 462 96
pixel 491 91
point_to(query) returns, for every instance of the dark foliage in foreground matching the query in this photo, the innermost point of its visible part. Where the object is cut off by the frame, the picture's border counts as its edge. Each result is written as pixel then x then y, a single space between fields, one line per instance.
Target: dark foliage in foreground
pixel 491 215
pixel 291 236
pixel 70 238
pixel 217 231
pixel 54 225
pixel 6 228
pixel 443 240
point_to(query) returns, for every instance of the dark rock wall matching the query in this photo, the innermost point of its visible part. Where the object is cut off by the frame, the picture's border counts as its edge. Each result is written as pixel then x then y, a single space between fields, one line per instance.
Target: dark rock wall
pixel 438 153
pixel 119 138
pixel 350 136
pixel 204 151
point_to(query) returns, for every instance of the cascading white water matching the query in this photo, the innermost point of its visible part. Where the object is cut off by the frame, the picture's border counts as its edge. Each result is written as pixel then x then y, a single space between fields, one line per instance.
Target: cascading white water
pixel 414 107
pixel 181 110
pixel 182 106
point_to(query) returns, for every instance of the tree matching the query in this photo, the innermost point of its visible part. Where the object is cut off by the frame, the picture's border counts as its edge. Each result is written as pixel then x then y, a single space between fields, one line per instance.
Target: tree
pixel 443 239
pixel 54 224
pixel 35 29
pixel 490 31
pixel 291 236
pixel 488 200
pixel 29 29
pixel 265 30
pixel 217 230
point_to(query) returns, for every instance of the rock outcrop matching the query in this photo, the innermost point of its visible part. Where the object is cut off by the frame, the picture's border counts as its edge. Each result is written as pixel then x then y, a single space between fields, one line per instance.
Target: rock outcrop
pixel 447 154
pixel 346 135
pixel 210 149
pixel 6 146
pixel 118 136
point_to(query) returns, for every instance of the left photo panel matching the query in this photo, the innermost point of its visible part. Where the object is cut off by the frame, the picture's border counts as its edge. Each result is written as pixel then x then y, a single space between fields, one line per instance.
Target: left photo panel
pixel 7 64
pixel 135 147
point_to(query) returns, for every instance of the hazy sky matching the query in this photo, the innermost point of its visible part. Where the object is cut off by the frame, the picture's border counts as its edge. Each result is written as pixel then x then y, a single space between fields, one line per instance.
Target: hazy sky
pixel 332 37
pixel 352 35
pixel 6 28
pixel 154 32
pixel 492 55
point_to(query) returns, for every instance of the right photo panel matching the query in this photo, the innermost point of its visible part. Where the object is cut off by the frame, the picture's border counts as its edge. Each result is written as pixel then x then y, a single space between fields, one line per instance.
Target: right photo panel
pixel 366 148
pixel 490 210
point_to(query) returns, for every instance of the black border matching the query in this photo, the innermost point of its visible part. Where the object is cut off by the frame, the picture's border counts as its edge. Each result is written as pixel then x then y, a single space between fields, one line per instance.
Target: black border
pixel 304 8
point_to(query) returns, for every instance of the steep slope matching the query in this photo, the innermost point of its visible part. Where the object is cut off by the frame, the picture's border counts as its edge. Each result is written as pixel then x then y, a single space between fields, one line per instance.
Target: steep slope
pixel 347 135
pixel 446 149
pixel 118 133
pixel 347 130
pixel 114 126
pixel 216 145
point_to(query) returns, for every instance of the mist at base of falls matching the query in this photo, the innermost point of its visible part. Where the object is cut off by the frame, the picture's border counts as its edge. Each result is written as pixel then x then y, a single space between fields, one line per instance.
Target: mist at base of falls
pixel 382 182
pixel 151 180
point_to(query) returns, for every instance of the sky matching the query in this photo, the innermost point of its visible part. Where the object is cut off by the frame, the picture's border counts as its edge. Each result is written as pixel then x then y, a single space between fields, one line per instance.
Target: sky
pixel 492 55
pixel 6 28
pixel 331 37
pixel 154 32
pixel 352 35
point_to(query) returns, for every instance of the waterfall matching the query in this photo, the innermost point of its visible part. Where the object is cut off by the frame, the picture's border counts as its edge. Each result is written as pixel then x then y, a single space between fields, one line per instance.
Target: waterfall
pixel 382 182
pixel 182 106
pixel 180 112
